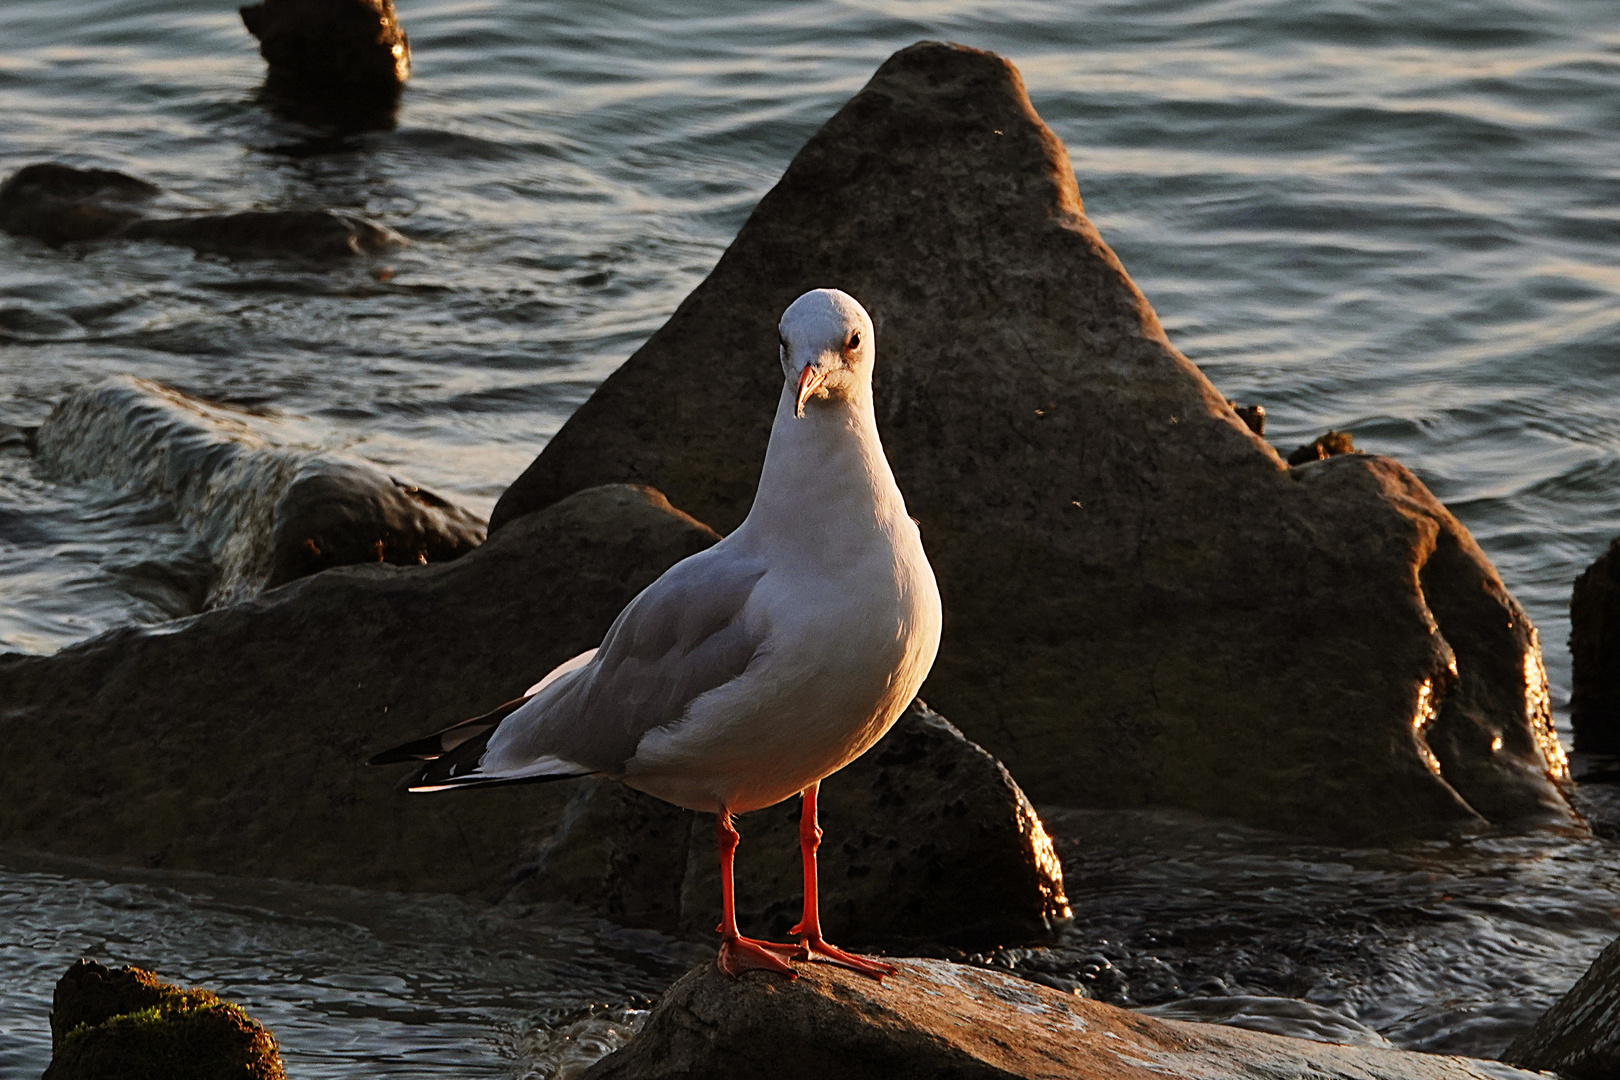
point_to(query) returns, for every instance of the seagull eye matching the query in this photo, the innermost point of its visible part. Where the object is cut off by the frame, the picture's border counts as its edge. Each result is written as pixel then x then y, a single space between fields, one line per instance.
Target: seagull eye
pixel 854 341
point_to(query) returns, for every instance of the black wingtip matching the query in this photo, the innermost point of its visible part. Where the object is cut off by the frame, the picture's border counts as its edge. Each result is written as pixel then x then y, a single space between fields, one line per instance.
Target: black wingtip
pixel 420 750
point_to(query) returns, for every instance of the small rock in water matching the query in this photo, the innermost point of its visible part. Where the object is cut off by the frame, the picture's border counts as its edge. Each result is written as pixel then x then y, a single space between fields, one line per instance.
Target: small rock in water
pixel 127 1024
pixel 1579 1037
pixel 1253 416
pixel 60 204
pixel 1323 446
pixel 335 60
pixel 936 843
pixel 1594 645
pixel 934 1020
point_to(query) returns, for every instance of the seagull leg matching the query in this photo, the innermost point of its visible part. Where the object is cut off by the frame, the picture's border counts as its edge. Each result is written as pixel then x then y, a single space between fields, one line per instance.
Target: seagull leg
pixel 737 953
pixel 812 945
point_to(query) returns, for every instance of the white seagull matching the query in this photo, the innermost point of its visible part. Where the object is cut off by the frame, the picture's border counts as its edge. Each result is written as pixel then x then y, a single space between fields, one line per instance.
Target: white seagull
pixel 750 671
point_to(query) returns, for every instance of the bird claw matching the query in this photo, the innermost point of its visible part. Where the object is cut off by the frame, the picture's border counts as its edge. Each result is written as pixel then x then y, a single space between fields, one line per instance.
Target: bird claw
pixel 819 950
pixel 739 954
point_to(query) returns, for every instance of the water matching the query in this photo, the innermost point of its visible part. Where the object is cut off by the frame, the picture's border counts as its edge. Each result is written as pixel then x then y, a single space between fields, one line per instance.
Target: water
pixel 1390 218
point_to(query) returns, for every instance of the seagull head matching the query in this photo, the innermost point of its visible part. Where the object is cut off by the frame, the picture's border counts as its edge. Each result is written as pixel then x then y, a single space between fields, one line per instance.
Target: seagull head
pixel 826 346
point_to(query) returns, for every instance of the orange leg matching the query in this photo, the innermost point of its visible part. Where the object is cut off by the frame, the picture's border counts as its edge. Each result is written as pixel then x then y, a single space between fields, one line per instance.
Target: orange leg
pixel 812 945
pixel 737 953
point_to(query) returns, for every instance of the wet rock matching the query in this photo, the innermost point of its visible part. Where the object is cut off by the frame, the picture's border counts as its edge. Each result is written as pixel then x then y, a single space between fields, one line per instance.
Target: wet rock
pixel 60 204
pixel 267 511
pixel 127 1023
pixel 234 741
pixel 1144 604
pixel 934 1020
pixel 1253 416
pixel 335 56
pixel 309 234
pixel 1594 646
pixel 1579 1037
pixel 928 839
pixel 1323 446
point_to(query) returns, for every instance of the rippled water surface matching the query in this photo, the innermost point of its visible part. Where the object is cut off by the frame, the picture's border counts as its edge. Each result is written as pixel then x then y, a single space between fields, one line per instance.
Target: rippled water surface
pixel 1394 219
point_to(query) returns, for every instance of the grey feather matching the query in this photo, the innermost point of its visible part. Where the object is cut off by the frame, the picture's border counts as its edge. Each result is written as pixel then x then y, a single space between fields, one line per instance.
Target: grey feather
pixel 679 639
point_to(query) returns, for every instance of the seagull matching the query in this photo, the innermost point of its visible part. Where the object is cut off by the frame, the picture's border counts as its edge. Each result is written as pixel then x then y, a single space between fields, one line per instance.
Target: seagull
pixel 751 671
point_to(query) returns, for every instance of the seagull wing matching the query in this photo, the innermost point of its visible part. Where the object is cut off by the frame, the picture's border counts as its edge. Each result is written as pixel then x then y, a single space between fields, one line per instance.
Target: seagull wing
pixel 680 638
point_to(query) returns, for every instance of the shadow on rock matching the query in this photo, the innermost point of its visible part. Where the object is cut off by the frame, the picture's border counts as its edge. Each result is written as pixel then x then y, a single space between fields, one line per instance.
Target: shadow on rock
pixel 929 839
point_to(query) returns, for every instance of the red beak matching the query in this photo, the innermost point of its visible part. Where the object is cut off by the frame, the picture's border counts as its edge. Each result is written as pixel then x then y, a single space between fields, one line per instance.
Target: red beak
pixel 809 382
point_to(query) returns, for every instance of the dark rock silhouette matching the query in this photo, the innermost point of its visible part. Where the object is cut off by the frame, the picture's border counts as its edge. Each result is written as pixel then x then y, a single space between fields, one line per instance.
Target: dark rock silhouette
pixel 341 63
pixel 1143 604
pixel 1579 1037
pixel 936 843
pixel 60 204
pixel 127 1023
pixel 938 1021
pixel 1594 646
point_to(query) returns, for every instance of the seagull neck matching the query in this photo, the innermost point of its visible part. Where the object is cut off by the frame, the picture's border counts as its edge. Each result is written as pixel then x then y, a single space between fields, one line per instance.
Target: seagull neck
pixel 824 467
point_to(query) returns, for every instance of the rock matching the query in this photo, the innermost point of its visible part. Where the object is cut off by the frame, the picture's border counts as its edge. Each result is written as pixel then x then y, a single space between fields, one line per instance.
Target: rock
pixel 129 1024
pixel 335 54
pixel 60 204
pixel 1594 646
pixel 309 234
pixel 267 512
pixel 1323 446
pixel 234 741
pixel 1144 605
pixel 939 1021
pixel 928 839
pixel 1253 416
pixel 1579 1037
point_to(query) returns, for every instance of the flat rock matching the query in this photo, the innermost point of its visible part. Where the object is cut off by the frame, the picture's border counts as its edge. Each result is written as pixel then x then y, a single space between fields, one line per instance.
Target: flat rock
pixel 1144 605
pixel 234 741
pixel 60 204
pixel 939 1021
pixel 129 1024
pixel 928 839
pixel 267 511
pixel 1579 1037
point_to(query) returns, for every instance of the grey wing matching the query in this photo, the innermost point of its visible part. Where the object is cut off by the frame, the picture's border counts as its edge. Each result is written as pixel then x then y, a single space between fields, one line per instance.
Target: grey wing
pixel 680 638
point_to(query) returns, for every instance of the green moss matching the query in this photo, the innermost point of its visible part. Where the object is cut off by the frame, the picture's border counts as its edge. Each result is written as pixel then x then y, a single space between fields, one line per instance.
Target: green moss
pixel 183 1035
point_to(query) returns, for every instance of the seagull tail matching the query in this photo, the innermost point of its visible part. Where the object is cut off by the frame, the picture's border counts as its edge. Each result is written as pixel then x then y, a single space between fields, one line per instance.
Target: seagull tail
pixel 463 767
pixel 440 743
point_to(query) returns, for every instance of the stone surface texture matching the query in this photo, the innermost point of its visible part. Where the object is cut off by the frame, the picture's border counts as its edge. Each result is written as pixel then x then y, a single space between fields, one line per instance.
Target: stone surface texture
pixel 1594 645
pixel 128 1024
pixel 927 839
pixel 266 511
pixel 939 1021
pixel 234 741
pixel 1143 604
pixel 1579 1037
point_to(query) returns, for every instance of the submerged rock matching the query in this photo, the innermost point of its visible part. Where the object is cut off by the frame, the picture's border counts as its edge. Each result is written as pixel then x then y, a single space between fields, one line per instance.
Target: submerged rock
pixel 1144 604
pixel 60 204
pixel 933 1020
pixel 1579 1037
pixel 129 1024
pixel 928 839
pixel 338 58
pixel 1594 646
pixel 267 512
pixel 1323 446
pixel 235 741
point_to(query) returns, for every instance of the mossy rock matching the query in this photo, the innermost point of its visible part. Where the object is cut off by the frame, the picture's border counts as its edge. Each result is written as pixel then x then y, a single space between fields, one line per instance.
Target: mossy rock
pixel 129 1024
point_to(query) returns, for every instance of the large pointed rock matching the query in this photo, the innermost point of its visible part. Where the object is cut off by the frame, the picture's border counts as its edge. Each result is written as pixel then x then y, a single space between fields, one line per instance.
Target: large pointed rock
pixel 1143 604
pixel 1579 1037
pixel 235 741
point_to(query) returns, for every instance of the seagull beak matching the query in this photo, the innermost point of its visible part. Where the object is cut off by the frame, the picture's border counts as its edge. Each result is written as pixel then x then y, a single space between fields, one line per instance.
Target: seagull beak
pixel 809 382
